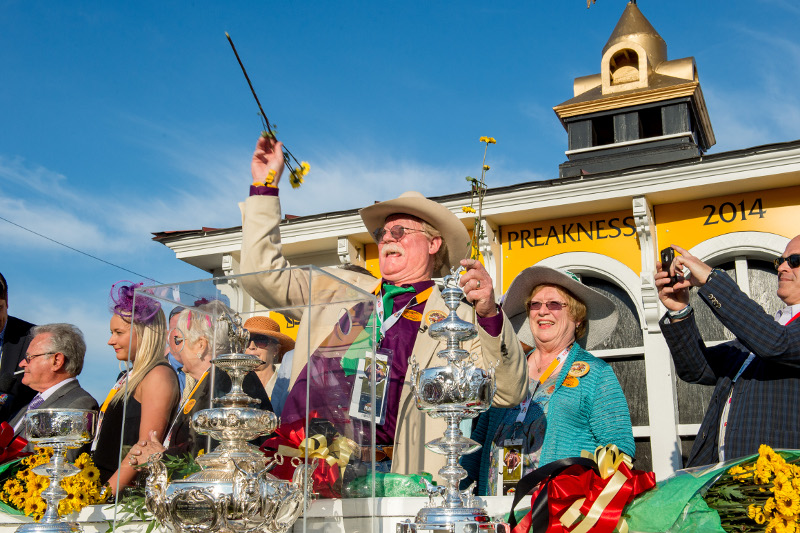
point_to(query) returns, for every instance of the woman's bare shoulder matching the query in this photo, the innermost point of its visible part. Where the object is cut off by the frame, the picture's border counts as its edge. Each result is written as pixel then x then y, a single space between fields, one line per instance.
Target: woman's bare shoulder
pixel 160 377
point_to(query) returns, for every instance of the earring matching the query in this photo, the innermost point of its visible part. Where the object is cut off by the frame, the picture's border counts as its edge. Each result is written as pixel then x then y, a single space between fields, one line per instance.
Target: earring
pixel 200 355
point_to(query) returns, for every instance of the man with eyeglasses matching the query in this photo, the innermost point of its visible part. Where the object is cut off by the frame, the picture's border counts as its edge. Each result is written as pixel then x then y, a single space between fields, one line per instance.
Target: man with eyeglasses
pixel 14 340
pixel 757 376
pixel 51 364
pixel 417 239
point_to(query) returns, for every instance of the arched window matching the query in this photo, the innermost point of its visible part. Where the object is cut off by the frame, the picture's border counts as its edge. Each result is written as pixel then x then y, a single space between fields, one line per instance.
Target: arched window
pixel 624 67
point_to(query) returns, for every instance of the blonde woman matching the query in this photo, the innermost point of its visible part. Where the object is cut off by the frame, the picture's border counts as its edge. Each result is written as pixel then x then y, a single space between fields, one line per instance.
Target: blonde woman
pixel 138 336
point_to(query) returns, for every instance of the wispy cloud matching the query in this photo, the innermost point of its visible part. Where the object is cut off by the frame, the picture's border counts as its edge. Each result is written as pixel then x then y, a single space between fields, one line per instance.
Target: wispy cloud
pixel 765 107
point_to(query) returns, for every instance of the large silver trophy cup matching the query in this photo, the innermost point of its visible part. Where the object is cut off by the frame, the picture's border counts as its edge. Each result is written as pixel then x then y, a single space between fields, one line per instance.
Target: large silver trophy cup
pixel 455 391
pixel 233 492
pixel 60 429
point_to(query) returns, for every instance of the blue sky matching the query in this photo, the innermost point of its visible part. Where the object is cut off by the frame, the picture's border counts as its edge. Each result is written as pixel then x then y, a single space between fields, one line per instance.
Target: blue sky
pixel 124 118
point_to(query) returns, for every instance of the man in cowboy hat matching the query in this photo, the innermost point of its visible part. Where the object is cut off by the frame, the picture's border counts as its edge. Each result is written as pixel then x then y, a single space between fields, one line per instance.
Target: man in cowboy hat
pixel 417 239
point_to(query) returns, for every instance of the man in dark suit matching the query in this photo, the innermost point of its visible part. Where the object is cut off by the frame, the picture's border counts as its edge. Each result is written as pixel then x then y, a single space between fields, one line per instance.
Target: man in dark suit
pixel 757 376
pixel 14 341
pixel 54 358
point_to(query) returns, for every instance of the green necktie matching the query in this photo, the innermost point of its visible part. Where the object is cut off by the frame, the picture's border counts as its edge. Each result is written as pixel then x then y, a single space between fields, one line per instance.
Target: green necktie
pixel 389 292
pixel 357 350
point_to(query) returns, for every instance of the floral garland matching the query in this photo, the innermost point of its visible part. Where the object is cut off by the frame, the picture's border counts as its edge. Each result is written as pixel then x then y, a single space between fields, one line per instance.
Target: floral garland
pixel 24 491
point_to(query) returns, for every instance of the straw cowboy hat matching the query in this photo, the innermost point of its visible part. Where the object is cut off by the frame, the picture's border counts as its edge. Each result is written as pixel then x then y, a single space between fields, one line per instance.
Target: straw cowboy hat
pixel 453 232
pixel 601 314
pixel 263 325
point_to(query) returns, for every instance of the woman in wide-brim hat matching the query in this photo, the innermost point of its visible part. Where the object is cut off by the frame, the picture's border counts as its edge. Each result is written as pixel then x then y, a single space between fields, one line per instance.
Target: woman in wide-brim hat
pixel 574 400
pixel 268 344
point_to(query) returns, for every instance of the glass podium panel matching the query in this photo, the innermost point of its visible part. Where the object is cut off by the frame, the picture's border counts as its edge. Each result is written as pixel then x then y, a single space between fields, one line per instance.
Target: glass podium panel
pixel 256 468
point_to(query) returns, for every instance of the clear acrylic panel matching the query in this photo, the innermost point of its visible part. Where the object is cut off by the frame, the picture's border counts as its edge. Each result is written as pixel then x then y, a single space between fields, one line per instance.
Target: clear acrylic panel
pixel 326 382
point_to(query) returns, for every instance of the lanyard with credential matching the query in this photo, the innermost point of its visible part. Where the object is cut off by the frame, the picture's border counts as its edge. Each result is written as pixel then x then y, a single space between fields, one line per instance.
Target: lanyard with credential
pixel 555 363
pixel 753 356
pixel 117 386
pixel 394 317
pixel 186 407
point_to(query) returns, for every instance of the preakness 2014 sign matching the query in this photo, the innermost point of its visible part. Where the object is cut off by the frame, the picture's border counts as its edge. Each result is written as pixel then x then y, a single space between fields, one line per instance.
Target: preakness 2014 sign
pixel 686 224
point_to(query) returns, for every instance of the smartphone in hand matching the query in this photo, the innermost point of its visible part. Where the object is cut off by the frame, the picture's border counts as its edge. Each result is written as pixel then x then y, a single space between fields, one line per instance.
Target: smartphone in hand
pixel 667 257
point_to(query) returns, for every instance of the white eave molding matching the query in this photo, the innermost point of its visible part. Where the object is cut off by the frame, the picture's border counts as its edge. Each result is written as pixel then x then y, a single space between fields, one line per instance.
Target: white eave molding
pixel 776 167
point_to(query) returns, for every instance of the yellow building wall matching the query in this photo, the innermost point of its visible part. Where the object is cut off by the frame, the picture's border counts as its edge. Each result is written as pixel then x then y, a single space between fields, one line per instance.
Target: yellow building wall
pixel 371 259
pixel 612 234
pixel 687 224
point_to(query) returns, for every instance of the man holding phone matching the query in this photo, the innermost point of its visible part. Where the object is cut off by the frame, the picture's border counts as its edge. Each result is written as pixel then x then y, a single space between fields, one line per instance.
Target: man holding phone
pixel 757 376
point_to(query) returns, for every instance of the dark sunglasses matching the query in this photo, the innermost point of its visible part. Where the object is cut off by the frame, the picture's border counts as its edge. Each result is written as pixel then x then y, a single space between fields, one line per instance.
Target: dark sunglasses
pixel 263 342
pixel 552 306
pixel 793 260
pixel 397 232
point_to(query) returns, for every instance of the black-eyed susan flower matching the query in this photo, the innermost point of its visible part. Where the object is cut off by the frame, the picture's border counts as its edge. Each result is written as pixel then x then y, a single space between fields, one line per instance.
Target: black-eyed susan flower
pixel 787 503
pixel 91 473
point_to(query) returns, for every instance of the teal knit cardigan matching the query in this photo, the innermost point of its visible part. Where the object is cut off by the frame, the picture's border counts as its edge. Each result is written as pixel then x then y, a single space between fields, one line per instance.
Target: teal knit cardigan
pixel 594 413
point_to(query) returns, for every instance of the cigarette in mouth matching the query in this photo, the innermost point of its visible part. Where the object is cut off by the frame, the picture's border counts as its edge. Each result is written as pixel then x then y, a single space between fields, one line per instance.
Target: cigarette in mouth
pixel 19 372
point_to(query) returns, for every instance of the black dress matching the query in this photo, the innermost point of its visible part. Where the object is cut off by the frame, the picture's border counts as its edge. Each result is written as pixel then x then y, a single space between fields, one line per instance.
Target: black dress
pixel 182 436
pixel 107 452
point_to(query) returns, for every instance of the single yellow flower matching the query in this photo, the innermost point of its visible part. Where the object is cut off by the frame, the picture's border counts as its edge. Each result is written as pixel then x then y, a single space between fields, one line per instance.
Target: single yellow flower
pixel 488 140
pixel 82 461
pixel 270 177
pixel 486 167
pixel 737 472
pixel 91 473
pixel 64 508
pixel 468 209
pixel 769 506
pixel 38 484
pixel 305 167
pixel 787 503
pixel 296 180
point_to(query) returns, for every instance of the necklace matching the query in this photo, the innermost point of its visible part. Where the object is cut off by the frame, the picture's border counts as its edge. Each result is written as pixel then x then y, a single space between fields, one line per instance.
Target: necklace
pixel 552 366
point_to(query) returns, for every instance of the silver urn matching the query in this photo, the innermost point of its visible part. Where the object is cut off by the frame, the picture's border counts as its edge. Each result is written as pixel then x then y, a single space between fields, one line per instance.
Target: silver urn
pixel 457 390
pixel 233 491
pixel 60 429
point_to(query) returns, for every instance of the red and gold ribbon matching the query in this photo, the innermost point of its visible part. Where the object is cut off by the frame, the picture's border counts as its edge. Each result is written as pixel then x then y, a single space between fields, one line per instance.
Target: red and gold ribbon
pixel 10 446
pixel 579 499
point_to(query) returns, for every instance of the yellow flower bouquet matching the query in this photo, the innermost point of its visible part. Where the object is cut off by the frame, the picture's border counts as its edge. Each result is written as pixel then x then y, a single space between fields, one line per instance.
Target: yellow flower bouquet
pixel 23 490
pixel 756 493
pixel 759 495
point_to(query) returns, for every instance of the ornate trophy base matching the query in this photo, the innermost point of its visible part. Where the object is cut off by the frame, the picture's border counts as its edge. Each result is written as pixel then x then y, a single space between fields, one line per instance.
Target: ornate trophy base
pixel 459 520
pixel 50 527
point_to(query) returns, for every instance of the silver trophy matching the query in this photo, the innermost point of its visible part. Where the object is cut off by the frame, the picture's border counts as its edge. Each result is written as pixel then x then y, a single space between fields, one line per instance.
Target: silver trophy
pixel 60 429
pixel 234 491
pixel 455 391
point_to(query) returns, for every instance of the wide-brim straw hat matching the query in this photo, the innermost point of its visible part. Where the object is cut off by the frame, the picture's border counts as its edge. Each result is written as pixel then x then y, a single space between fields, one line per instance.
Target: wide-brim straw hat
pixel 601 313
pixel 263 325
pixel 453 232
